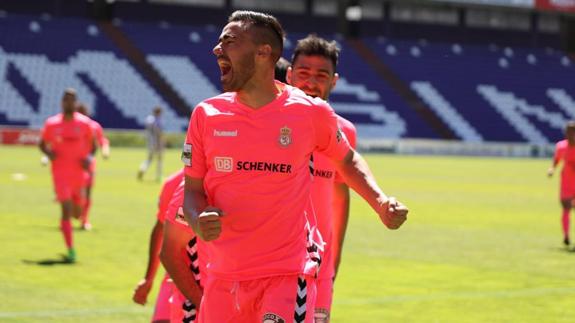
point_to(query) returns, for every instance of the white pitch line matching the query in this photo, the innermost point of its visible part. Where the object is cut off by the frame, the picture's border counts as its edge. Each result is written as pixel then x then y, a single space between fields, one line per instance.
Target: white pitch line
pixel 458 295
pixel 76 312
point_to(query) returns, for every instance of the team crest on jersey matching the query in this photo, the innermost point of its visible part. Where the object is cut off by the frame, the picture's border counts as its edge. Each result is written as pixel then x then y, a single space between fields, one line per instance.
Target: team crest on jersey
pixel 285 136
pixel 180 216
pixel 273 318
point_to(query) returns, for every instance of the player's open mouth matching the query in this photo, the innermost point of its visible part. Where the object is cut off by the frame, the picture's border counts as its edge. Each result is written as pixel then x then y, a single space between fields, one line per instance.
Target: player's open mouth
pixel 225 68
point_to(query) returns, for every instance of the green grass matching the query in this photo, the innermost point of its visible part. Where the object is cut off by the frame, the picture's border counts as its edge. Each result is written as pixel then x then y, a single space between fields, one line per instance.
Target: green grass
pixel 482 244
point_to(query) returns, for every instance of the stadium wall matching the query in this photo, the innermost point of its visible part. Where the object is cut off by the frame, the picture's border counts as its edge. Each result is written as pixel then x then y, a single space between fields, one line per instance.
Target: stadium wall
pixel 136 138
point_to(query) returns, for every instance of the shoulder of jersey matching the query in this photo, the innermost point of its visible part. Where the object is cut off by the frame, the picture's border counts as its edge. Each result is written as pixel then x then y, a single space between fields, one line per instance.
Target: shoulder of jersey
pixel 216 104
pixel 223 97
pixel 345 124
pixel 54 118
pixel 562 143
pixel 298 97
pixel 83 118
pixel 176 177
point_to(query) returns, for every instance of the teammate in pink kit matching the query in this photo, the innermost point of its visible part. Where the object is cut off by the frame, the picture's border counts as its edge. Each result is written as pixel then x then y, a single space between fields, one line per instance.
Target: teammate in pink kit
pixel 104 144
pixel 247 189
pixel 313 70
pixel 67 140
pixel 184 259
pixel 162 309
pixel 565 152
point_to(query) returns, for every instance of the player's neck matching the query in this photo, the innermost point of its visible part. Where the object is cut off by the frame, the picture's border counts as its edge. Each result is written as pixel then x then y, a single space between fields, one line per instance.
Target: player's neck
pixel 258 94
pixel 68 115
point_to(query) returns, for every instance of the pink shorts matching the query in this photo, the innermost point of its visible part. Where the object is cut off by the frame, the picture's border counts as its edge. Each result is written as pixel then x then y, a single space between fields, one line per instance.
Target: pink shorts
pixel 69 187
pixel 162 309
pixel 269 300
pixel 567 187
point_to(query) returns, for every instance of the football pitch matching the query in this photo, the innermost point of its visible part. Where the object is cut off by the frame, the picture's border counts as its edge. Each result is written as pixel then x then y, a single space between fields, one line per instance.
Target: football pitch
pixel 482 244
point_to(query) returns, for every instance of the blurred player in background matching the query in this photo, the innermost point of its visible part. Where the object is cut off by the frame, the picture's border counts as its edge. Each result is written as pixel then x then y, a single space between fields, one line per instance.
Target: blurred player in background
pixel 104 144
pixel 247 189
pixel 162 308
pixel 68 141
pixel 155 141
pixel 313 70
pixel 565 152
pixel 184 258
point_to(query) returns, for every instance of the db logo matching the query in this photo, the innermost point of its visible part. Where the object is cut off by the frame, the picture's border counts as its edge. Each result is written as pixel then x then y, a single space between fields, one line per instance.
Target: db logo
pixel 223 164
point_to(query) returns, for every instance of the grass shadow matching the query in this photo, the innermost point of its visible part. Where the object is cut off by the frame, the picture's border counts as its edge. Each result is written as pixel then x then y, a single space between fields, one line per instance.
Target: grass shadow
pixel 63 260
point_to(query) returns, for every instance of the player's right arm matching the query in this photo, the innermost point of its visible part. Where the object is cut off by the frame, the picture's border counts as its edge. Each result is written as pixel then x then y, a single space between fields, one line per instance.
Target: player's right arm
pixel 556 159
pixel 45 150
pixel 44 139
pixel 145 285
pixel 203 218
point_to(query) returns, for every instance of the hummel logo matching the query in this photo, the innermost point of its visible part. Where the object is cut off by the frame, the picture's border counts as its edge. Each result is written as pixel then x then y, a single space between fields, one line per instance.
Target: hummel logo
pixel 225 133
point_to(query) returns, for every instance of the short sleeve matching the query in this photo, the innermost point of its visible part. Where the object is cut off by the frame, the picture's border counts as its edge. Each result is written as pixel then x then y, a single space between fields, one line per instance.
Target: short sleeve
pixel 193 155
pixel 164 201
pixel 330 139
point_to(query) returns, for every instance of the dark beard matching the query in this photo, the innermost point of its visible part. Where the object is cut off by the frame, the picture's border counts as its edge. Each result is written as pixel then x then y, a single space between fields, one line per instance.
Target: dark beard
pixel 246 69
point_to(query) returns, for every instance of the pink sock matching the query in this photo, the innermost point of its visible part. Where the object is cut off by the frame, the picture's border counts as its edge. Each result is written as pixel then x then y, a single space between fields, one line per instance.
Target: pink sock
pixel 66 227
pixel 85 211
pixel 565 221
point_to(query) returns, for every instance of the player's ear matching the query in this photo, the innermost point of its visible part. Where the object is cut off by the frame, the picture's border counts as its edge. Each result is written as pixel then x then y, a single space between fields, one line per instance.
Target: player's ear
pixel 334 81
pixel 288 75
pixel 264 51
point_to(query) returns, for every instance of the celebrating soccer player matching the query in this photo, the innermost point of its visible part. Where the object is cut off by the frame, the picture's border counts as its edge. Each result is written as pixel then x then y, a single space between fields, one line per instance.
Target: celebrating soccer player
pixel 67 140
pixel 247 187
pixel 313 70
pixel 104 145
pixel 565 151
pixel 162 309
pixel 184 259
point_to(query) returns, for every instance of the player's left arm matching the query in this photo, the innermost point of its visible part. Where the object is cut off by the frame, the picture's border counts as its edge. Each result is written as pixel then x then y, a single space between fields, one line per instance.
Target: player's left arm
pixel 352 166
pixel 356 173
pixel 341 199
pixel 103 142
pixel 173 257
pixel 91 146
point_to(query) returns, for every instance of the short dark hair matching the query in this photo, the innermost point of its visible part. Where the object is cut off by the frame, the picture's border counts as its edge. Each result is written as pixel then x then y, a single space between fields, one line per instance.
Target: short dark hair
pixel 281 69
pixel 313 45
pixel 267 28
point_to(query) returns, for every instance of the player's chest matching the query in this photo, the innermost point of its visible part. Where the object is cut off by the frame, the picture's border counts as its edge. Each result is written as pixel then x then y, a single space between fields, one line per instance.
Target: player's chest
pixel 67 133
pixel 289 137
